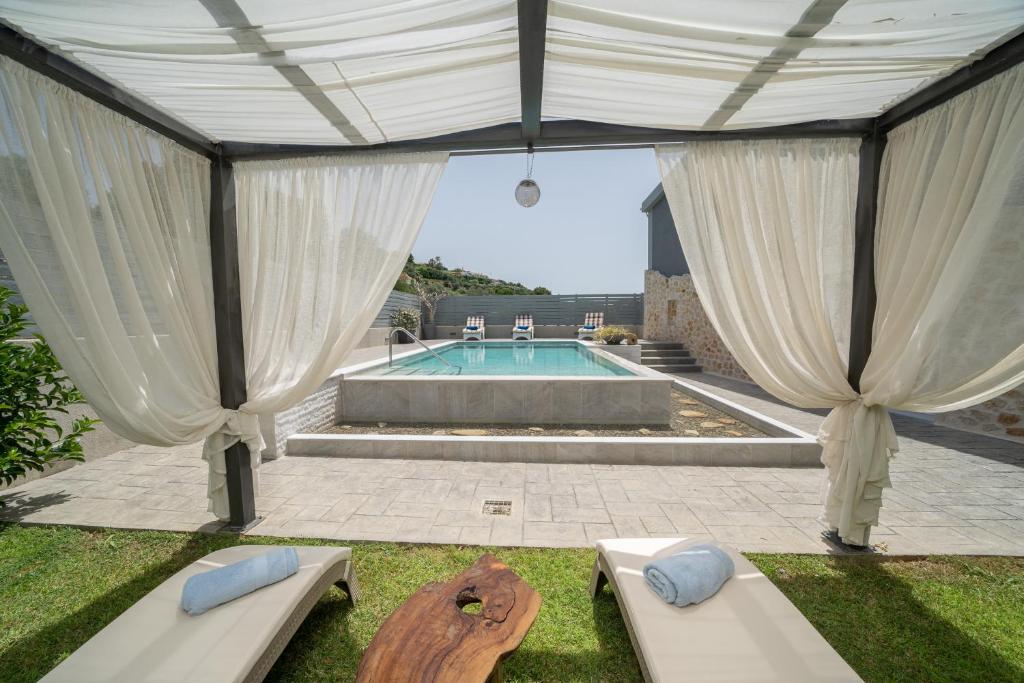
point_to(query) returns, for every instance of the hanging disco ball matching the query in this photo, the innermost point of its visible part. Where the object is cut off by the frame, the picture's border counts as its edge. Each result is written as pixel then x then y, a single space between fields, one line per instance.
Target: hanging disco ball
pixel 527 193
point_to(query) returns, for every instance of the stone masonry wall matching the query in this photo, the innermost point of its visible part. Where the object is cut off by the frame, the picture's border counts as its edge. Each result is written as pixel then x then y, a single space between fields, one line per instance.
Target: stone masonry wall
pixel 673 312
pixel 317 412
pixel 1002 416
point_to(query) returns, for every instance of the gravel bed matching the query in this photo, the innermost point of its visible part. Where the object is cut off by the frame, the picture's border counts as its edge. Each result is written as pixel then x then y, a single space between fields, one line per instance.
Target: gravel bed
pixel 690 417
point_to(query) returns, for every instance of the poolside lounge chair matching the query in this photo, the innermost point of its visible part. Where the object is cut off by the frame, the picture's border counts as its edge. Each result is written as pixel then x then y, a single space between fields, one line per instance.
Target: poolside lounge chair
pixel 748 631
pixel 475 330
pixel 155 640
pixel 592 322
pixel 523 328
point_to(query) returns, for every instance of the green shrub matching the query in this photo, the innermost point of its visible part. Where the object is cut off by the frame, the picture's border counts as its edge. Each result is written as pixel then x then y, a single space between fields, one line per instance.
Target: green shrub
pixel 409 318
pixel 611 334
pixel 32 390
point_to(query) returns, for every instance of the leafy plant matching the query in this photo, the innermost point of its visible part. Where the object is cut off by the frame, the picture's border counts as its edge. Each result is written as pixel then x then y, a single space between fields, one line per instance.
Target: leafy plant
pixel 409 318
pixel 33 389
pixel 611 334
pixel 430 294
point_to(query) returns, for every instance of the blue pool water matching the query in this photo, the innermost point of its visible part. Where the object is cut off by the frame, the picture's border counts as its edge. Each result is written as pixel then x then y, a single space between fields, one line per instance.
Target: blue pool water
pixel 543 358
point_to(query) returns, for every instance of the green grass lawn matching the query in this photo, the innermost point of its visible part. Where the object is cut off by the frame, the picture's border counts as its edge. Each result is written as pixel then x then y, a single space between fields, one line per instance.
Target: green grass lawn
pixel 937 619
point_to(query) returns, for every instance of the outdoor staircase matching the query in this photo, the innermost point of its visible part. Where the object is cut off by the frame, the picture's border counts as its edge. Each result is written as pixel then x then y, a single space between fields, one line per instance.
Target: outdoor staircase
pixel 667 357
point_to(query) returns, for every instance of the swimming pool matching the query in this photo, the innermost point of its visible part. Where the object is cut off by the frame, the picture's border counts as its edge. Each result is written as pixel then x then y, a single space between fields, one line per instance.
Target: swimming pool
pixel 522 358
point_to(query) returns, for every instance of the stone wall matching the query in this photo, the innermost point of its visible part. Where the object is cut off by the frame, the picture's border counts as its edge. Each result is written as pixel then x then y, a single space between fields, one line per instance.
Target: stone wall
pixel 1002 416
pixel 673 312
pixel 317 412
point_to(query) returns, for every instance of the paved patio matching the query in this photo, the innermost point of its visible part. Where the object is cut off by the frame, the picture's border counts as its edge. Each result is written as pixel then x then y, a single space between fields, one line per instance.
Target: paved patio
pixel 953 492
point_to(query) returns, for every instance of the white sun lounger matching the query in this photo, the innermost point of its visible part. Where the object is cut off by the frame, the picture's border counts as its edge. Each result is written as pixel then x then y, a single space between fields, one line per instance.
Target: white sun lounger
pixel 748 631
pixel 155 640
pixel 592 322
pixel 522 330
pixel 478 334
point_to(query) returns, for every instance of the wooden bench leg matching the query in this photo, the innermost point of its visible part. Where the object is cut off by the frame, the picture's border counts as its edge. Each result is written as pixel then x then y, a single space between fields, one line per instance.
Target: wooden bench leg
pixel 597 578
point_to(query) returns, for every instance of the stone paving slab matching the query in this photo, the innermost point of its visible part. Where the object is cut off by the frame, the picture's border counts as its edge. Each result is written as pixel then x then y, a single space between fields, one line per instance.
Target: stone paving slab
pixel 953 492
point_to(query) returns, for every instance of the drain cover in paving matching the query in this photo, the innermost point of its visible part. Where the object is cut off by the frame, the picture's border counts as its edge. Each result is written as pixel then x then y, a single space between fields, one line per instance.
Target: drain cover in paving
pixel 498 507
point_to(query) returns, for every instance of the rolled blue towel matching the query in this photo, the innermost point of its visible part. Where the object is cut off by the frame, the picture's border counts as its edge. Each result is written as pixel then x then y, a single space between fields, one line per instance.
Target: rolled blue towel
pixel 689 577
pixel 203 592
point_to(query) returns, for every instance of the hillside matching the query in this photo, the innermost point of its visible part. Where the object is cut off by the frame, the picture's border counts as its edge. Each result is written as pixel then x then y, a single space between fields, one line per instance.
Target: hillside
pixel 458 280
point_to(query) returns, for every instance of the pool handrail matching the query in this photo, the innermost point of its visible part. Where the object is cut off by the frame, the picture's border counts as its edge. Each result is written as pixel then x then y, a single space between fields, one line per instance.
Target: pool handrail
pixel 391 342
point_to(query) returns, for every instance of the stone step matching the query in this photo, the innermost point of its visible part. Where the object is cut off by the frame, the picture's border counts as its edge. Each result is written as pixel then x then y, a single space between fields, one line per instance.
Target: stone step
pixel 667 360
pixel 661 345
pixel 674 368
pixel 664 352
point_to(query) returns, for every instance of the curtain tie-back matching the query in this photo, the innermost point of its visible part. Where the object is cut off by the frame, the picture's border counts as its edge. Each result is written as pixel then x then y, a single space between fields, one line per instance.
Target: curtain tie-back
pixel 857 441
pixel 238 425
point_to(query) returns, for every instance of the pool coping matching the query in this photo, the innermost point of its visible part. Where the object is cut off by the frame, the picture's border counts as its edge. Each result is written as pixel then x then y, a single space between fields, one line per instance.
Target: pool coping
pixel 637 372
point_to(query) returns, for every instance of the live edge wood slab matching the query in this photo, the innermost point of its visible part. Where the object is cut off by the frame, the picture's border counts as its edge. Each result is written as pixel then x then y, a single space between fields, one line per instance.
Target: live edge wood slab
pixel 431 638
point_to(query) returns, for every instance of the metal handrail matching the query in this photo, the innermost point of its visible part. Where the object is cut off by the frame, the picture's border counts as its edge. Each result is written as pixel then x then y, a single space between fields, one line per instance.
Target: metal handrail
pixel 391 342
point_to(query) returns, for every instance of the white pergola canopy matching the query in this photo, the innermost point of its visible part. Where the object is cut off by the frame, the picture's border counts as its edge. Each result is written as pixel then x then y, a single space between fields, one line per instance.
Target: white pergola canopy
pixel 365 72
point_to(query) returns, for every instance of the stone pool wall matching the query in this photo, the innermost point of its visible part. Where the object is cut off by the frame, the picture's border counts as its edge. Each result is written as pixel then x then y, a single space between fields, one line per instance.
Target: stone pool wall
pixel 526 400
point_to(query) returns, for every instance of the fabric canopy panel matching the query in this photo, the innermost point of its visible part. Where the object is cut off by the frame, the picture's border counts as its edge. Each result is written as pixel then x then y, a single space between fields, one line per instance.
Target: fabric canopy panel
pixel 105 227
pixel 370 71
pixel 321 242
pixel 305 71
pixel 751 63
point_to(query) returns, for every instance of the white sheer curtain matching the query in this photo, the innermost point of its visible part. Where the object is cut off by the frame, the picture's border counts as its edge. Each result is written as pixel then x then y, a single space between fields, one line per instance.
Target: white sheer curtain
pixel 949 273
pixel 949 323
pixel 767 228
pixel 104 225
pixel 321 243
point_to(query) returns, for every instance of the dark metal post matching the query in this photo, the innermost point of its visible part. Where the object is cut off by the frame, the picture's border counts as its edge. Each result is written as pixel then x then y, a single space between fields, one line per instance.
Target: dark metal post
pixel 227 307
pixel 863 310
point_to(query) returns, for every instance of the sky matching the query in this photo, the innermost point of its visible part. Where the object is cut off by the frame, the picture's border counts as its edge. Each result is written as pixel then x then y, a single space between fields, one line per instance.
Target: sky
pixel 587 234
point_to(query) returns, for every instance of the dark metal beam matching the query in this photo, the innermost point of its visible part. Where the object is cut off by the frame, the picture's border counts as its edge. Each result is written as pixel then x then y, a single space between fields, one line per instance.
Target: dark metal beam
pixel 64 71
pixel 816 17
pixel 557 135
pixel 1007 55
pixel 862 314
pixel 227 308
pixel 533 22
